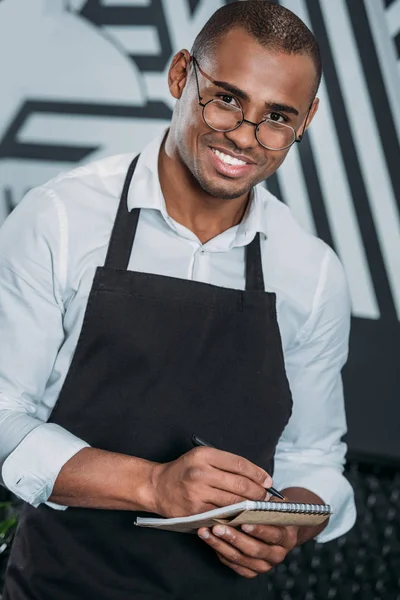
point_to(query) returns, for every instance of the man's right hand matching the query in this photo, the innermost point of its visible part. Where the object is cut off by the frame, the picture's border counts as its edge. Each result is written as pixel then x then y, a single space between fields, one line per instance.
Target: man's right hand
pixel 203 479
pixel 200 480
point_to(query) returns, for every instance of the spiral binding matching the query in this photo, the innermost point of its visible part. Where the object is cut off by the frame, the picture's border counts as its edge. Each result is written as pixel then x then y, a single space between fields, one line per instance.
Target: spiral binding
pixel 295 507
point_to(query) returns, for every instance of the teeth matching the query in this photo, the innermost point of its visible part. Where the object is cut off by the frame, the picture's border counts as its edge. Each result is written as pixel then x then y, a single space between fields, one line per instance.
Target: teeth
pixel 229 160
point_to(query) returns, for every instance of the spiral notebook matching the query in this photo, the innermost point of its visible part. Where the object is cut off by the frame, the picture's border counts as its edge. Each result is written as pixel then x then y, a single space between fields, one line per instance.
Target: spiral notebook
pixel 247 512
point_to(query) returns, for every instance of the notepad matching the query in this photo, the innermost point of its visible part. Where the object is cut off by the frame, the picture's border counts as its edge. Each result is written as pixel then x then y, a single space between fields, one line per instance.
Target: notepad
pixel 246 512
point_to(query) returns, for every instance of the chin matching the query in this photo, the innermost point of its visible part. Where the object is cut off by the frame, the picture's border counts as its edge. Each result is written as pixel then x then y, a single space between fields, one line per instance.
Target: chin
pixel 224 190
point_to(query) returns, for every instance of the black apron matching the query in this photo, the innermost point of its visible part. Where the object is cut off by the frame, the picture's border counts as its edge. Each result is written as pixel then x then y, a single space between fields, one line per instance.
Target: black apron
pixel 158 358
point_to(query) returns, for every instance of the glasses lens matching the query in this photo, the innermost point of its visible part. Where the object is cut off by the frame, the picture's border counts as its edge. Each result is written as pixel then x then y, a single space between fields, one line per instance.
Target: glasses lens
pixel 222 116
pixel 274 135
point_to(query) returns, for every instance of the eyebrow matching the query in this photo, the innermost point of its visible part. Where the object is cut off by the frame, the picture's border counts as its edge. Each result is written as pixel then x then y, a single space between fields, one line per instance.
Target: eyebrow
pixel 243 96
pixel 232 88
pixel 282 108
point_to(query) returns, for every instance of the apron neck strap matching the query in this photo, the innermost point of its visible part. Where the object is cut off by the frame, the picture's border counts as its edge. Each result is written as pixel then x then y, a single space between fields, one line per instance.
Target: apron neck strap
pixel 254 270
pixel 124 231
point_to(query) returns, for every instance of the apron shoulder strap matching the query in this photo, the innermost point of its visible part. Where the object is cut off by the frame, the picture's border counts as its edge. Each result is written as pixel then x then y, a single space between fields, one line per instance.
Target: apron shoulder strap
pixel 124 229
pixel 254 270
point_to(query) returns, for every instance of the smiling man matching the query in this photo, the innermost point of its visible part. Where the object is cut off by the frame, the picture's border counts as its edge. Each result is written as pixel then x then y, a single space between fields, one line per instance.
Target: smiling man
pixel 155 296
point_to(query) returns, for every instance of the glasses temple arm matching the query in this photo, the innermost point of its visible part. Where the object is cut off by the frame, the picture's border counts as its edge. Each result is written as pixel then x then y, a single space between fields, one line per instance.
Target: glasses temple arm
pixel 197 80
pixel 300 137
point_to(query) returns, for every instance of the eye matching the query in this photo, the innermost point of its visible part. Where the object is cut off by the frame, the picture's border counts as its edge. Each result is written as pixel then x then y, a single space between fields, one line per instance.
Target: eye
pixel 277 117
pixel 228 99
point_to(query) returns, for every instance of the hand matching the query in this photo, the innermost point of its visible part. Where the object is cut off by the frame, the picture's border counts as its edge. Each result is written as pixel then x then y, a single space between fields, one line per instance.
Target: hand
pixel 253 550
pixel 203 479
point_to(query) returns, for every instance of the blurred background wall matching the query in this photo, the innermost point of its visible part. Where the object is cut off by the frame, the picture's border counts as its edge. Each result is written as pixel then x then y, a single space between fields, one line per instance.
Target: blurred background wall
pixel 82 79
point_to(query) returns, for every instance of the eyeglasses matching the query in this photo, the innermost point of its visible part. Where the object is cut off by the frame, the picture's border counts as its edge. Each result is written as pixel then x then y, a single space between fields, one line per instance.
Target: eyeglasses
pixel 222 116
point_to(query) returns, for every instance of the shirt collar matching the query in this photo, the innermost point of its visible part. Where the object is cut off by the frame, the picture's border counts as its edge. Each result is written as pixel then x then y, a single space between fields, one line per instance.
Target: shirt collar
pixel 254 220
pixel 145 192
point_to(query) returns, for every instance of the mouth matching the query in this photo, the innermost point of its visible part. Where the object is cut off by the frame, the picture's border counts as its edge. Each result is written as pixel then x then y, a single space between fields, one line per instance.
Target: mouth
pixel 229 165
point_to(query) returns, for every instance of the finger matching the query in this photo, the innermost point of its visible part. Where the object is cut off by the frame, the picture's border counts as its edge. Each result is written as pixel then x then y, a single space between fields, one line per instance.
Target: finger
pixel 232 463
pixel 238 485
pixel 243 571
pixel 246 544
pixel 232 554
pixel 219 499
pixel 250 546
pixel 285 537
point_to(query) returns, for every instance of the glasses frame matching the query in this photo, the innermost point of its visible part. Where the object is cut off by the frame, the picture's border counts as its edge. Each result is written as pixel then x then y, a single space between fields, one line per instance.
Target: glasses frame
pixel 297 138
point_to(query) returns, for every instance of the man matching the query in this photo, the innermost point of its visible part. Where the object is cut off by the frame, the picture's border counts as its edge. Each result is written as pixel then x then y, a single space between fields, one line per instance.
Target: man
pixel 126 331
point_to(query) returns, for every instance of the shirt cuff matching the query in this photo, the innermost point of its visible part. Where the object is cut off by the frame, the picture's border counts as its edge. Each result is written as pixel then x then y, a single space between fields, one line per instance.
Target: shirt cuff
pixel 332 487
pixel 31 469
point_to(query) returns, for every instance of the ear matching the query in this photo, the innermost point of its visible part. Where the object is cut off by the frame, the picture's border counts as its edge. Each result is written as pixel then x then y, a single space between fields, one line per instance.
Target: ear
pixel 309 117
pixel 178 73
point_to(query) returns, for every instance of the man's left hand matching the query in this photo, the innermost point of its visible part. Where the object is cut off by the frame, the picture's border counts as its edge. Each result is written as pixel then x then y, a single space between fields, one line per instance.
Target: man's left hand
pixel 252 550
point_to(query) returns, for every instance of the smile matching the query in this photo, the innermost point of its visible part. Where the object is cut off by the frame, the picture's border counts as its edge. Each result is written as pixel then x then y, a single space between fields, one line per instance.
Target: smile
pixel 228 165
pixel 228 159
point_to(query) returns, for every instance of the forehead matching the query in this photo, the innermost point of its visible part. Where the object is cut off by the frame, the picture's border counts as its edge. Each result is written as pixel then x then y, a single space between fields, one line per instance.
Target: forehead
pixel 263 73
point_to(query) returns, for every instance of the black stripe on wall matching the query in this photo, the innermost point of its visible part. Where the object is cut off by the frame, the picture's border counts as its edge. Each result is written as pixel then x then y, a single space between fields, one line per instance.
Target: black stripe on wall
pixel 273 186
pixel 193 4
pixel 317 204
pixel 377 90
pixel 152 15
pixel 11 147
pixel 397 44
pixel 352 166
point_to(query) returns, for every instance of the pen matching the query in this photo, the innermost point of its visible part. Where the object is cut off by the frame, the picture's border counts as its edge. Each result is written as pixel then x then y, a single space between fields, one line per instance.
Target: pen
pixel 196 441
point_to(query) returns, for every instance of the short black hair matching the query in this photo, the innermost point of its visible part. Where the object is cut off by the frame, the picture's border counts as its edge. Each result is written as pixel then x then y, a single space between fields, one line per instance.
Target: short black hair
pixel 270 24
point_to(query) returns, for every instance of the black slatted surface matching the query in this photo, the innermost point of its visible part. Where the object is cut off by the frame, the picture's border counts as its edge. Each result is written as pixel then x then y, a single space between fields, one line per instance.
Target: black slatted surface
pixel 364 564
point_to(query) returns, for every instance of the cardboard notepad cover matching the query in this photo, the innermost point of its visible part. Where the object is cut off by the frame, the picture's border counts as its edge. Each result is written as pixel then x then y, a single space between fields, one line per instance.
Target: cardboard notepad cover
pixel 247 512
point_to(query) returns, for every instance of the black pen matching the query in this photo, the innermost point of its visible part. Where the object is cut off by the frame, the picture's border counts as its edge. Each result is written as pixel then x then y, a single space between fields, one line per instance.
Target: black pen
pixel 196 441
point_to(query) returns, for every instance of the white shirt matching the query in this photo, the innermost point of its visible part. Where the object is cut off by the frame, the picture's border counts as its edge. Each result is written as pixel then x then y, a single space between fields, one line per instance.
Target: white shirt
pixel 50 247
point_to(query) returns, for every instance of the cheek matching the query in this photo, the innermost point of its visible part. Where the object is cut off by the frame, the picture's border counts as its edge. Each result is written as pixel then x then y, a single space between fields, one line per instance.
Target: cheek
pixel 274 161
pixel 191 126
pixel 190 114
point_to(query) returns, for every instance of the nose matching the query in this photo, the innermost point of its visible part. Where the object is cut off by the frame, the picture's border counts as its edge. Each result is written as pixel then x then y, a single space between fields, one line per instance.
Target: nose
pixel 244 137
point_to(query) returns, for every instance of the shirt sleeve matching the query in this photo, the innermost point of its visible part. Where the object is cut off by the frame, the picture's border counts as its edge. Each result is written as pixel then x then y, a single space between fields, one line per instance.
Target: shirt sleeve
pixel 32 452
pixel 310 453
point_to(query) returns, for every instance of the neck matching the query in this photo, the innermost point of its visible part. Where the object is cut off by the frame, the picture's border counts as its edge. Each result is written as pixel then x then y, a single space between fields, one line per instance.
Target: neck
pixel 188 204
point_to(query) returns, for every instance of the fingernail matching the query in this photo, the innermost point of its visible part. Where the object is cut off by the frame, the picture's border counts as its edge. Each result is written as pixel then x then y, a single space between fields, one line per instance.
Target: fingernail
pixel 268 482
pixel 204 534
pixel 267 497
pixel 219 530
pixel 248 528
